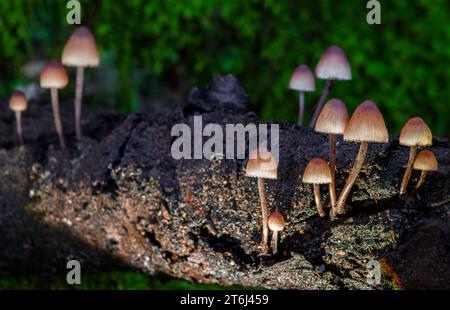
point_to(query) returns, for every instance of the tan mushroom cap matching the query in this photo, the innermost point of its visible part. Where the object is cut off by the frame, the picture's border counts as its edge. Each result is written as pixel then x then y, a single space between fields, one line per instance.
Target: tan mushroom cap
pixel 426 161
pixel 54 75
pixel 317 171
pixel 366 124
pixel 302 79
pixel 261 164
pixel 333 119
pixel 334 65
pixel 81 50
pixel 18 101
pixel 416 133
pixel 276 221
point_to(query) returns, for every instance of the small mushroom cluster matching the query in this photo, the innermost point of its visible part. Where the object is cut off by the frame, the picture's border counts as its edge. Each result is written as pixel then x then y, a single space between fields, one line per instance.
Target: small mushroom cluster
pixel 81 52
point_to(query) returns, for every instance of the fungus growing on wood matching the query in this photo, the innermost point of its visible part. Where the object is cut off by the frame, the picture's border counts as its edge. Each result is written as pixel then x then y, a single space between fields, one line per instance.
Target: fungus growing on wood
pixel 425 162
pixel 303 80
pixel 276 224
pixel 317 172
pixel 18 103
pixel 262 165
pixel 414 134
pixel 365 126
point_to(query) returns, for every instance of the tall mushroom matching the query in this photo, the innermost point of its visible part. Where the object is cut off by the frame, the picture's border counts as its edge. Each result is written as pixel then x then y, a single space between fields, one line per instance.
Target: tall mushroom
pixel 332 121
pixel 365 126
pixel 54 77
pixel 276 224
pixel 414 134
pixel 303 80
pixel 18 103
pixel 262 165
pixel 317 172
pixel 80 52
pixel 425 162
pixel 332 66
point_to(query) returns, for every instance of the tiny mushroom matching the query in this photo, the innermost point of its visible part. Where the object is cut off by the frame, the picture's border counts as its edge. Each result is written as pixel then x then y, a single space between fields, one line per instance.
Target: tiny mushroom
pixel 332 66
pixel 262 164
pixel 54 77
pixel 425 162
pixel 332 121
pixel 81 52
pixel 414 134
pixel 303 80
pixel 317 172
pixel 18 103
pixel 276 224
pixel 365 126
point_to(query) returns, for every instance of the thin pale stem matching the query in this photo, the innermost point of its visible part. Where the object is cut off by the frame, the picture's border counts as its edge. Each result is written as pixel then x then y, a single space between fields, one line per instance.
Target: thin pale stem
pixel 79 101
pixel 57 117
pixel 352 177
pixel 320 103
pixel 19 127
pixel 409 169
pixel 318 200
pixel 421 180
pixel 332 186
pixel 301 111
pixel 264 214
pixel 274 242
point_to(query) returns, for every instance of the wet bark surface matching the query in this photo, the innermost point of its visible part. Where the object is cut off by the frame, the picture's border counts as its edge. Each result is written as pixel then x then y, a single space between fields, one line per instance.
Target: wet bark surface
pixel 118 199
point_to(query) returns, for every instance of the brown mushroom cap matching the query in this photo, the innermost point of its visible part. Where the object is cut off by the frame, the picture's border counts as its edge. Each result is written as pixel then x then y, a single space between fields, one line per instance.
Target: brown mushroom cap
pixel 333 119
pixel 81 50
pixel 276 221
pixel 415 133
pixel 18 101
pixel 426 161
pixel 302 79
pixel 261 164
pixel 334 65
pixel 317 171
pixel 54 75
pixel 366 124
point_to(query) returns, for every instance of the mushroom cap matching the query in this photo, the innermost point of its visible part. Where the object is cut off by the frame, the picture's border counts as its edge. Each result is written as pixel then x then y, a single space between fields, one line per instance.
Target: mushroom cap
pixel 317 171
pixel 54 75
pixel 81 50
pixel 276 221
pixel 425 161
pixel 366 124
pixel 18 101
pixel 334 65
pixel 261 164
pixel 302 79
pixel 333 119
pixel 415 133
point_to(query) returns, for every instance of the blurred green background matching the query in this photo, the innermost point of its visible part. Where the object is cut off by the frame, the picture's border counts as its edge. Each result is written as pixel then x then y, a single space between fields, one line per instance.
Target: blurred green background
pixel 154 51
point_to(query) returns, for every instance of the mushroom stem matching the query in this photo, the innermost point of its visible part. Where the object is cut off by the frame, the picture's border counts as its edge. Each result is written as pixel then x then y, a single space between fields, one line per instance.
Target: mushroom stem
pixel 275 242
pixel 321 102
pixel 57 117
pixel 422 177
pixel 78 100
pixel 264 213
pixel 318 200
pixel 301 112
pixel 409 168
pixel 352 177
pixel 332 186
pixel 19 126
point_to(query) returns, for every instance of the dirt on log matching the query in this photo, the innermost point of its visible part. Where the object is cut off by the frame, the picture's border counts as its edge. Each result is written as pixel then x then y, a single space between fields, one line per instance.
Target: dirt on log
pixel 119 200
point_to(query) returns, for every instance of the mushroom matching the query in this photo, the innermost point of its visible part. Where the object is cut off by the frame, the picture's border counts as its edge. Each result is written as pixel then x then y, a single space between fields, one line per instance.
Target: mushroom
pixel 365 126
pixel 317 172
pixel 332 66
pixel 425 162
pixel 18 103
pixel 261 164
pixel 414 134
pixel 276 224
pixel 54 77
pixel 81 52
pixel 332 121
pixel 303 80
